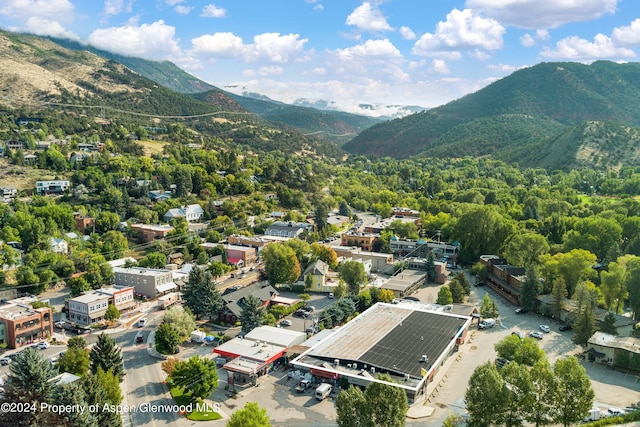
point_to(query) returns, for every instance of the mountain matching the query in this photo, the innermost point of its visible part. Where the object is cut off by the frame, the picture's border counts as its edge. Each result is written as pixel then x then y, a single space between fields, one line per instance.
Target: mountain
pixel 39 74
pixel 547 104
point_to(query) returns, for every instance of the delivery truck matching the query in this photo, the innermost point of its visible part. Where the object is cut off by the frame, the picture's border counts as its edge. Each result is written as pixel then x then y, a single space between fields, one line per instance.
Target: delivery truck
pixel 168 300
pixel 323 391
pixel 198 337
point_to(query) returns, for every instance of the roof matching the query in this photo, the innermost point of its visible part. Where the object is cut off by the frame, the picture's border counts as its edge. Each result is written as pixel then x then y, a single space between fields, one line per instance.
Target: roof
pixel 391 338
pixel 64 378
pixel 235 300
pixel 249 349
pixel 278 336
pixel 152 272
pixel 166 287
pixel 90 297
pixel 403 280
pixel 602 339
pixel 317 268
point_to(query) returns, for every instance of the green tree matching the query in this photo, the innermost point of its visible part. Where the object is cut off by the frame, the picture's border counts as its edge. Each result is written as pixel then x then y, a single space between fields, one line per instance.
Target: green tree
pixel 107 221
pixel 612 285
pixel 487 307
pixel 96 393
pixel 353 274
pixel 525 351
pixel 530 290
pixel 181 319
pixel 106 355
pixel 112 313
pixel 519 390
pixel 76 342
pixel 72 395
pixel 198 376
pixel 27 383
pixel 340 290
pixel 457 291
pixel 281 264
pixel 343 209
pixel 430 267
pixel 444 296
pixel 526 249
pixel 486 409
pixel 251 415
pixel 608 324
pixel 352 408
pixel 78 285
pixel 543 382
pixel 153 260
pixel 167 338
pixel 574 394
pixel 387 404
pixel 111 385
pixel 75 361
pixel 251 315
pixel 558 294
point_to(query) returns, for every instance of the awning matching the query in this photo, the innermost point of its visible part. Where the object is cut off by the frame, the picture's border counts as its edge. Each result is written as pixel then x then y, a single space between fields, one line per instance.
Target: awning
pixel 234 260
pixel 324 374
pixel 166 287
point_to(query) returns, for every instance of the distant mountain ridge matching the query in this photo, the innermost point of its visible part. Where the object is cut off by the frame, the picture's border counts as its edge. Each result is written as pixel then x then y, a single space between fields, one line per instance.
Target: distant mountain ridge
pixel 532 107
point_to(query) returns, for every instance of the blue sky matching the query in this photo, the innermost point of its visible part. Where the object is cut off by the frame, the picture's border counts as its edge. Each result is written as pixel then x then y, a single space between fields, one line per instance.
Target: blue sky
pixel 392 52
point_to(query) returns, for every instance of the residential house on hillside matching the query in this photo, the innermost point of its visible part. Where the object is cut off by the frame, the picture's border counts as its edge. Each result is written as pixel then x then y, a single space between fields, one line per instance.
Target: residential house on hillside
pixel 59 246
pixel 52 187
pixel 315 275
pixel 234 301
pixel 191 213
pixel 150 232
pixel 159 195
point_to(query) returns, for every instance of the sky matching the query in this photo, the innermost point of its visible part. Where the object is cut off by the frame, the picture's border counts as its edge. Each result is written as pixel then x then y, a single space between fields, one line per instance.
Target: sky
pixel 385 53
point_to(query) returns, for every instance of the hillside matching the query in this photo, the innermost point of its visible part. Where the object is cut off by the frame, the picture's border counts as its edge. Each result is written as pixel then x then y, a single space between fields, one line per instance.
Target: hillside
pixel 552 96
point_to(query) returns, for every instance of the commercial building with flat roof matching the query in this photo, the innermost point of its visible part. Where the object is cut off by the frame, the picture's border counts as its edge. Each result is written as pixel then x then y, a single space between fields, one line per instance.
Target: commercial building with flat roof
pixel 146 281
pixel 21 324
pixel 410 342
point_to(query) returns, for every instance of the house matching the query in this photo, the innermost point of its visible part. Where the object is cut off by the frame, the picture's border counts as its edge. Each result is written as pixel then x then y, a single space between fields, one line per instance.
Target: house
pixel 7 194
pixel 234 301
pixel 150 232
pixel 83 222
pixel 52 187
pixel 289 229
pixel 315 275
pixel 59 246
pixel 191 213
pixel 88 308
pixel 278 215
pixel 159 195
pixel 13 145
pixel 365 241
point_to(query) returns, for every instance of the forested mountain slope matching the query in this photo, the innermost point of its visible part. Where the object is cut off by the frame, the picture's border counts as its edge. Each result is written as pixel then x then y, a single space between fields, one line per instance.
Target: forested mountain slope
pixel 531 106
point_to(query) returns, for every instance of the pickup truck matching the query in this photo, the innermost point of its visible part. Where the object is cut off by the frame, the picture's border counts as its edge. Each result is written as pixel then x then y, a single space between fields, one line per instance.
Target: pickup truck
pixel 303 386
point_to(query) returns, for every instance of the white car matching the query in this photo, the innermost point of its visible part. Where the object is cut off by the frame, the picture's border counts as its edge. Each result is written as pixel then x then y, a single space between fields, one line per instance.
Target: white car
pixel 545 329
pixel 43 345
pixel 537 335
pixel 286 322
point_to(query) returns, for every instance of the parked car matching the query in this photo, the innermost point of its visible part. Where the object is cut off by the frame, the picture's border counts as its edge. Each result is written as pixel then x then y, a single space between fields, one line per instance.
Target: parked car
pixel 487 323
pixel 142 322
pixel 544 328
pixel 285 322
pixel 536 335
pixel 59 324
pixel 5 361
pixel 520 310
pixel 516 333
pixel 330 295
pixel 565 328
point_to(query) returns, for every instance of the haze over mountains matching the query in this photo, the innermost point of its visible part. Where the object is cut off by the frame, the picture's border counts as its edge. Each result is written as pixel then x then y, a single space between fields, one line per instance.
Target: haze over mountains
pixel 552 115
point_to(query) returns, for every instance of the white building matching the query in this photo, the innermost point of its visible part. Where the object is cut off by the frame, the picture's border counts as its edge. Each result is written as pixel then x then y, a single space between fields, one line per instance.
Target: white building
pixel 191 213
pixel 146 281
pixel 48 187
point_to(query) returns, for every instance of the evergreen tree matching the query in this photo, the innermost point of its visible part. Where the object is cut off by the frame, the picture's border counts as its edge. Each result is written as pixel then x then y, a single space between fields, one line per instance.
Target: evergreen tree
pixel 444 296
pixel 608 324
pixel 430 266
pixel 530 290
pixel 97 394
pixel 251 315
pixel 343 209
pixel 457 292
pixel 73 394
pixel 558 293
pixel 106 355
pixel 28 383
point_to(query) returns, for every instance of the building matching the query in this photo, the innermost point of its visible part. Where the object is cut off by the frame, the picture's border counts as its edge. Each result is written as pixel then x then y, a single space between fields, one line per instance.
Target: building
pixel 364 241
pixel 289 229
pixel 7 194
pixel 442 273
pixel 405 212
pixel 149 232
pixel 254 242
pixel 21 324
pixel 316 275
pixel 408 342
pixel 405 282
pixel 159 195
pixel 234 301
pixel 120 296
pixel 421 248
pixel 88 308
pixel 147 282
pixel 83 222
pixel 12 144
pixel 503 278
pixel 191 213
pixel 59 246
pixel 380 262
pixel 616 351
pixel 52 187
pixel 380 226
pixel 246 254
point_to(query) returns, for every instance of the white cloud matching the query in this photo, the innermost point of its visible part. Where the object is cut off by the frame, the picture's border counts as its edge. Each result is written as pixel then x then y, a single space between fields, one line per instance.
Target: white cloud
pixel 219 44
pixel 183 10
pixel 370 49
pixel 439 66
pixel 371 58
pixel 153 41
pixel 173 2
pixel 543 13
pixel 504 68
pixel 24 9
pixel 213 11
pixel 272 47
pixel 527 40
pixel 629 35
pixel 367 17
pixel 462 31
pixel 44 27
pixel 263 72
pixel 576 48
pixel 407 33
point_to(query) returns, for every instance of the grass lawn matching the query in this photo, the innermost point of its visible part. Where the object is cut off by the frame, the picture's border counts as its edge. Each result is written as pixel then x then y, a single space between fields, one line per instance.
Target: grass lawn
pixel 183 398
